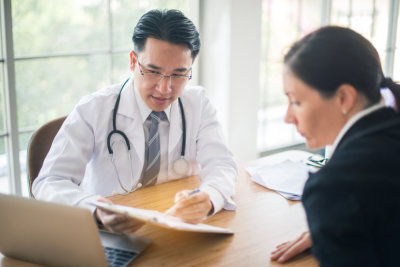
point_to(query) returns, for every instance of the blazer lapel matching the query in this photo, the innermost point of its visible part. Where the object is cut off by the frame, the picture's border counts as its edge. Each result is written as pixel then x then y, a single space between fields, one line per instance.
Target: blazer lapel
pixel 376 121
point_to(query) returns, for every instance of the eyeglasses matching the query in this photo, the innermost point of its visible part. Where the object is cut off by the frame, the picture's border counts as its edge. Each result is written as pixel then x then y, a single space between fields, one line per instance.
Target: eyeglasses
pixel 156 77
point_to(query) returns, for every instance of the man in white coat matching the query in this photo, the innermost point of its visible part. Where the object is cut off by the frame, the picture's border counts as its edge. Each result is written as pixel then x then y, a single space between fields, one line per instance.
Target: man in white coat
pixel 124 137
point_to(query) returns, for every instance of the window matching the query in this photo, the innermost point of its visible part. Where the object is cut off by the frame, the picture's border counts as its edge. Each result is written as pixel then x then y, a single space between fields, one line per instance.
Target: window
pixel 396 52
pixel 369 18
pixel 295 19
pixel 396 73
pixel 64 50
pixel 3 156
pixel 283 22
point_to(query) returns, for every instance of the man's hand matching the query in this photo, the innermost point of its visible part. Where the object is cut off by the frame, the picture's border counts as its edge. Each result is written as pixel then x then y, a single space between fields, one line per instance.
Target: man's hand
pixel 116 222
pixel 293 248
pixel 191 208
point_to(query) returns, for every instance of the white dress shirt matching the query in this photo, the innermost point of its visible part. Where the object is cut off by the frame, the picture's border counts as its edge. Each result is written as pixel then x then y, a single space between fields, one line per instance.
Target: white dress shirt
pixel 329 150
pixel 163 129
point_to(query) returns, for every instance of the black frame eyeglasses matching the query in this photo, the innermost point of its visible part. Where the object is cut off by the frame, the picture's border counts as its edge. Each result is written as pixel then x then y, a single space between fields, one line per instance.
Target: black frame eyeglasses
pixel 156 77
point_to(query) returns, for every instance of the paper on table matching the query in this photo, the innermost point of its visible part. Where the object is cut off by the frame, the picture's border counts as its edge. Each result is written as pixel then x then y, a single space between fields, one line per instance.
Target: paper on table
pixel 162 219
pixel 287 178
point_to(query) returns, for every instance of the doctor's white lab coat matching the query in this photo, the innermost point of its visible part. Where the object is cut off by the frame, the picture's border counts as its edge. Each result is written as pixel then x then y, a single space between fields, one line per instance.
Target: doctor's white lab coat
pixel 78 166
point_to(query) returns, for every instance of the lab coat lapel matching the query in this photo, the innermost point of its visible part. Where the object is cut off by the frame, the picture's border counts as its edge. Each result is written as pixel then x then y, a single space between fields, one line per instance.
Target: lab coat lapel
pixel 137 141
pixel 129 108
pixel 175 133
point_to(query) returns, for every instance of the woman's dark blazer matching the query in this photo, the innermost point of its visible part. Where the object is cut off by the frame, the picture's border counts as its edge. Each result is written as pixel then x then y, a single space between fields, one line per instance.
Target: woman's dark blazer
pixel 353 203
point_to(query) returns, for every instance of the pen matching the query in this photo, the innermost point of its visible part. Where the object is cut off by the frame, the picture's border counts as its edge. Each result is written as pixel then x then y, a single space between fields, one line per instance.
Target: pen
pixel 193 192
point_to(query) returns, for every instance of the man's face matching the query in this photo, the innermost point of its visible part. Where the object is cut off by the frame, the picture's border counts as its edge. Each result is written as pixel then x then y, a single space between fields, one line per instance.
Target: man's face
pixel 161 57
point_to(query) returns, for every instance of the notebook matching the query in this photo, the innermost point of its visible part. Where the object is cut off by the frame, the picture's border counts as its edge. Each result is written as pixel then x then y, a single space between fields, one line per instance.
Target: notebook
pixel 59 235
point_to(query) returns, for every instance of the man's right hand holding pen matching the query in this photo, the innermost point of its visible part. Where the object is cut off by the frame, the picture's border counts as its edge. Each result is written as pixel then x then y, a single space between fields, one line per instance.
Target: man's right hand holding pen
pixel 191 206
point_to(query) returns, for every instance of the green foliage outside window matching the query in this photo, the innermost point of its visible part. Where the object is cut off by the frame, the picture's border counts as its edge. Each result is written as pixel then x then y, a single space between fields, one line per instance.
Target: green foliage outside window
pixel 49 84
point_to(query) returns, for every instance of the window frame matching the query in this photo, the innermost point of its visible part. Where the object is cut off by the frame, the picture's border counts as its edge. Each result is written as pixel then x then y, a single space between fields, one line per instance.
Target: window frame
pixel 11 131
pixel 325 19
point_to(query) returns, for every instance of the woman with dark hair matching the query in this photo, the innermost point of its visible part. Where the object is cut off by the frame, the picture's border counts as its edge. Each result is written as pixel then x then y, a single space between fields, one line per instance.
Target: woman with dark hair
pixel 332 79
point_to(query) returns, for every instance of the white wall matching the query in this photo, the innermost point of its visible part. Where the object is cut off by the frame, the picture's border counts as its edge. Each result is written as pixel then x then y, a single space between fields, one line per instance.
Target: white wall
pixel 229 68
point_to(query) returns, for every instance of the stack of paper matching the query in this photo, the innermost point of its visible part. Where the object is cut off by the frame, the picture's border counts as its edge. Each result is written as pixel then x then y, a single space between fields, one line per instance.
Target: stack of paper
pixel 287 178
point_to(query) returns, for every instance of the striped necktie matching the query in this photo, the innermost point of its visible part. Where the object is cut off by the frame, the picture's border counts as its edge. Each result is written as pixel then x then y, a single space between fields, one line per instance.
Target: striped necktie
pixel 152 164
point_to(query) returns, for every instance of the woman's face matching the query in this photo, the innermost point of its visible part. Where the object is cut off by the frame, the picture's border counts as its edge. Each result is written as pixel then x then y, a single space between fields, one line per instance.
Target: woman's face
pixel 317 119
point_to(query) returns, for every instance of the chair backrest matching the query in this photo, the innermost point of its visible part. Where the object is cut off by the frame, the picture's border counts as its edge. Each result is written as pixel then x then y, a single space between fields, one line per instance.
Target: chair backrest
pixel 39 146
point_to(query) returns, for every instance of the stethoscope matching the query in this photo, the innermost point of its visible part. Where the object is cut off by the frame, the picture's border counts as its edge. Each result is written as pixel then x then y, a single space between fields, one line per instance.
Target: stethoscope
pixel 180 166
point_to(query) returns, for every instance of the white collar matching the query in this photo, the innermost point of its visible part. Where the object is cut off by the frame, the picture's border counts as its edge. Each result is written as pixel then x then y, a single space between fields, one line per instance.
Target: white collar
pixel 144 109
pixel 331 149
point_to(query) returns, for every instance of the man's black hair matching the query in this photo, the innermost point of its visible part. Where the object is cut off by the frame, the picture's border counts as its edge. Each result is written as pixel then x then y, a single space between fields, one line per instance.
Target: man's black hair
pixel 166 25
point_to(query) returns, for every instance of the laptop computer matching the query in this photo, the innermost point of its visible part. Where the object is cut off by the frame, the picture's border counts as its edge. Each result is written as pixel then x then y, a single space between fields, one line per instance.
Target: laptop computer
pixel 59 235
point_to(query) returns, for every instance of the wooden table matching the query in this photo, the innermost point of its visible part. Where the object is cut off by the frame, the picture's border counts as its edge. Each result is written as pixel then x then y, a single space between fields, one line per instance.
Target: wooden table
pixel 262 220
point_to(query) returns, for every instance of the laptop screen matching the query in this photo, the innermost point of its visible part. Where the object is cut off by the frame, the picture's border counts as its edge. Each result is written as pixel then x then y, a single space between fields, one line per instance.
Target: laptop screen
pixel 56 235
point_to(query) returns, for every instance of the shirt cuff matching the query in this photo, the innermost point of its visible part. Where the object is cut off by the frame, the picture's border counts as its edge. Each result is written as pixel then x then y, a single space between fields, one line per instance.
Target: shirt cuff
pixel 217 199
pixel 87 203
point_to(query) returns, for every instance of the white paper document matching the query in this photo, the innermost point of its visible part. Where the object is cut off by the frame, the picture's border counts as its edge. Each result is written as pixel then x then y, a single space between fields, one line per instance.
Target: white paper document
pixel 161 219
pixel 287 178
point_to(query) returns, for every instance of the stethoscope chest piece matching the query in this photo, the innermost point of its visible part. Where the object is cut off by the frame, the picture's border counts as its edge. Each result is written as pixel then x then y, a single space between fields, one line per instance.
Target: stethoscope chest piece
pixel 181 166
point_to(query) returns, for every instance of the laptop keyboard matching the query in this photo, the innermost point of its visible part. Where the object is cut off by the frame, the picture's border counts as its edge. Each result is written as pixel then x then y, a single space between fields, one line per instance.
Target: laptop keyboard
pixel 118 257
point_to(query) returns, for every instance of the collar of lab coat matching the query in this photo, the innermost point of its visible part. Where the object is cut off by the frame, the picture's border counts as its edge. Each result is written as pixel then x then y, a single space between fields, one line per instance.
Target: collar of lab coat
pixel 175 128
pixel 131 102
pixel 144 109
pixel 129 106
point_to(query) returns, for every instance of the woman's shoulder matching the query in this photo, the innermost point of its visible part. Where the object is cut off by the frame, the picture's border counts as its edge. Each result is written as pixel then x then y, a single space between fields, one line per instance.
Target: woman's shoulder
pixel 363 166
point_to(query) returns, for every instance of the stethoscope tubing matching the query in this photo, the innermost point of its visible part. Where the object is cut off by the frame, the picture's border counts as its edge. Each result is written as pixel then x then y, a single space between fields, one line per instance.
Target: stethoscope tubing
pixel 121 133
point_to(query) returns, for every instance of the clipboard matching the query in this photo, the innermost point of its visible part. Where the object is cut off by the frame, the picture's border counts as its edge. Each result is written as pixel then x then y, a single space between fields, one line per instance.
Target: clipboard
pixel 161 219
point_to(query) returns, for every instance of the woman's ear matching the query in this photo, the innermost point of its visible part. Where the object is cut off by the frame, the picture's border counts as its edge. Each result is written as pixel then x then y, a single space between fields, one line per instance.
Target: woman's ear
pixel 133 59
pixel 347 97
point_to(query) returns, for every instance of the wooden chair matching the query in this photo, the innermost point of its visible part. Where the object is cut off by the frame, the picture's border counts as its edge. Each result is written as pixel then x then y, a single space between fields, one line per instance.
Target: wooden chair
pixel 39 146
